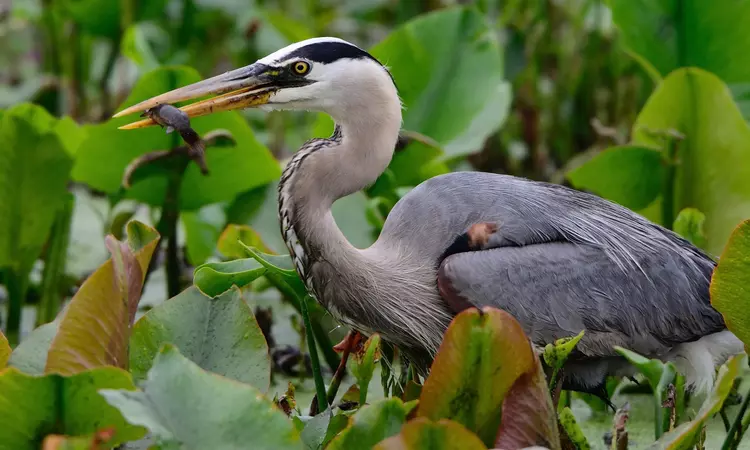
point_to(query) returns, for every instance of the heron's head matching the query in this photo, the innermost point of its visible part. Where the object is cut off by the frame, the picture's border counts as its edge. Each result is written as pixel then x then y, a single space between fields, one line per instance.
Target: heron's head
pixel 322 74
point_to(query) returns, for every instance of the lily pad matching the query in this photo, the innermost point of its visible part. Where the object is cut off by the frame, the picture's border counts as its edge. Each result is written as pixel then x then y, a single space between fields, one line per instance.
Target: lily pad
pixel 182 404
pixel 219 334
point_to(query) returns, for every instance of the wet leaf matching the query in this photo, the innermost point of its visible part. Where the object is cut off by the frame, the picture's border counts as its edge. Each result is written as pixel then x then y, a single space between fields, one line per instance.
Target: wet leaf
pixel 730 284
pixel 95 328
pixel 630 175
pixel 30 356
pixel 689 224
pixel 233 235
pixel 686 435
pixel 421 433
pixel 33 406
pixel 182 403
pixel 372 424
pixel 34 170
pixel 232 170
pixel 667 35
pixel 528 415
pixel 573 430
pixel 659 376
pixel 219 334
pixel 697 105
pixel 5 351
pixel 363 368
pixel 215 278
pixel 481 357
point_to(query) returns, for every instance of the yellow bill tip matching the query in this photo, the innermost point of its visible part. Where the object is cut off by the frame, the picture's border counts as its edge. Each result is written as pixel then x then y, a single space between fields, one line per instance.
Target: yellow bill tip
pixel 140 124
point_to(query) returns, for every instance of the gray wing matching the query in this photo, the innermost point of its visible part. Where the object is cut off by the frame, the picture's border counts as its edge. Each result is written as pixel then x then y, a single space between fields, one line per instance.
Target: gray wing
pixel 557 289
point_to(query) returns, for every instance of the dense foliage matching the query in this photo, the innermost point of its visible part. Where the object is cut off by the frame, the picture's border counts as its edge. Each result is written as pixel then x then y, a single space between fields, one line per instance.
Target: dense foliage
pixel 645 103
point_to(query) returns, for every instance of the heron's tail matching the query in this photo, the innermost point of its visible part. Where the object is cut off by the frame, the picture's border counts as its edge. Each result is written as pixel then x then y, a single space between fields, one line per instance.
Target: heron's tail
pixel 698 360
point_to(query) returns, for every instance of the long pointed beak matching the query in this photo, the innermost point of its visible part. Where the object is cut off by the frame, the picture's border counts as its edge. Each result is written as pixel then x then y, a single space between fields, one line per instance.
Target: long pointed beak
pixel 240 88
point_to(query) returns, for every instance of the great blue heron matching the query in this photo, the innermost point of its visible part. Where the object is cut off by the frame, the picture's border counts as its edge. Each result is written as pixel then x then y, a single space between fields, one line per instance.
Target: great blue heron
pixel 559 260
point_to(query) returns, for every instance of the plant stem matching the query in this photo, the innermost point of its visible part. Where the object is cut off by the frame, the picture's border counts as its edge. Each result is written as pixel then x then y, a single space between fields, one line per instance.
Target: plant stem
pixel 54 266
pixel 114 52
pixel 78 82
pixel 668 200
pixel 731 441
pixel 52 61
pixel 16 284
pixel 320 387
pixel 338 376
pixel 167 227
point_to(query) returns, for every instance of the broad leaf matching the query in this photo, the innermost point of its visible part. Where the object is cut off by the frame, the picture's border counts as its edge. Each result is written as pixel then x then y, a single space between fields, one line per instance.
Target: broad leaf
pixel 30 357
pixel 233 235
pixel 219 334
pixel 670 34
pixel 232 170
pixel 214 278
pixel 5 351
pixel 106 21
pixel 629 175
pixel 482 355
pixel 730 284
pixel 698 105
pixel 686 435
pixel 372 424
pixel 33 406
pixel 421 433
pixel 528 415
pixel 34 169
pixel 182 403
pixel 95 328
pixel 689 224
pixel 314 433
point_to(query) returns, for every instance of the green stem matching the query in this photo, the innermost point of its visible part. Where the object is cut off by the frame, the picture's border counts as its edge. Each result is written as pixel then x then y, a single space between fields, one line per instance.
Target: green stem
pixel 730 442
pixel 167 227
pixel 77 69
pixel 668 194
pixel 320 388
pixel 16 284
pixel 114 52
pixel 54 266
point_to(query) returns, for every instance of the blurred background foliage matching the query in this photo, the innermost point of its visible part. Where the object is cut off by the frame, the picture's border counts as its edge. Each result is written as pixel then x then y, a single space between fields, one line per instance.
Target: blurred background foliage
pixel 644 102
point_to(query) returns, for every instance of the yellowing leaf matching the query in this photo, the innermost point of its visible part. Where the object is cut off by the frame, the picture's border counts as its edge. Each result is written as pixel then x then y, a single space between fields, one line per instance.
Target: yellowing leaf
pixel 372 424
pixel 229 241
pixel 33 406
pixel 480 359
pixel 5 350
pixel 95 328
pixel 730 284
pixel 421 433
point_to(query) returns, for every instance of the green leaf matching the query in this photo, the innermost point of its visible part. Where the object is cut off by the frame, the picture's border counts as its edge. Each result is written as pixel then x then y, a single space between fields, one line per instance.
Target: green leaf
pixel 686 435
pixel 372 424
pixel 30 357
pixel 214 278
pixel 106 21
pixel 730 284
pixel 135 46
pixel 482 355
pixel 181 403
pixel 668 34
pixel 689 224
pixel 629 175
pixel 314 433
pixel 659 376
pixel 5 351
pixel 219 334
pixel 697 104
pixel 231 239
pixel 364 367
pixel 106 152
pixel 32 407
pixel 556 354
pixel 95 328
pixel 459 96
pixel 202 230
pixel 573 430
pixel 34 169
pixel 421 433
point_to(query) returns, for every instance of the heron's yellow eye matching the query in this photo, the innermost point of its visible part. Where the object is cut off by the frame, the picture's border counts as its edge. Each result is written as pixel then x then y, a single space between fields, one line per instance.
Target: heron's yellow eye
pixel 301 67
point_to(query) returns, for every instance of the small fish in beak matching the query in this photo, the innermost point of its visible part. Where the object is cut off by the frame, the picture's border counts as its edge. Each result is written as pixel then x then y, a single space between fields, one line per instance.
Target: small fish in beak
pixel 173 119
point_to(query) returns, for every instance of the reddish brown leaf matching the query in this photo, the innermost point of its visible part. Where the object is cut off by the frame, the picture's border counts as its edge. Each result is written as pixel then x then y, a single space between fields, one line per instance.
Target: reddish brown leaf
pixel 95 328
pixel 528 417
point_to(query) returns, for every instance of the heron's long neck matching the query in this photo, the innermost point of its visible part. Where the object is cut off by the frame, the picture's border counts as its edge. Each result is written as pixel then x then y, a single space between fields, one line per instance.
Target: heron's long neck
pixel 324 171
